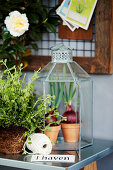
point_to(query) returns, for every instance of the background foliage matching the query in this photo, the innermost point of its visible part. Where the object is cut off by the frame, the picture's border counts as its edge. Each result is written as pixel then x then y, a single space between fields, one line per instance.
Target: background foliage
pixel 41 19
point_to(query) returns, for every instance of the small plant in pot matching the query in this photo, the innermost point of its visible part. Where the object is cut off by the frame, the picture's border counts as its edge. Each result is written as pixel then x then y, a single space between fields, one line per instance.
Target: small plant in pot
pixel 53 118
pixel 52 125
pixel 20 112
pixel 70 127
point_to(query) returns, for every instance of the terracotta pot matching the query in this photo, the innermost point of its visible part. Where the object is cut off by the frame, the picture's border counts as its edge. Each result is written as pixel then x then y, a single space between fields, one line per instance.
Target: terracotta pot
pixel 53 133
pixel 70 132
pixel 9 139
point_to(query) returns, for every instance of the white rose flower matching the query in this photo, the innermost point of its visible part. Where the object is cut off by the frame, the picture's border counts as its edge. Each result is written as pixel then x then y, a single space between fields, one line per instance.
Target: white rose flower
pixel 16 23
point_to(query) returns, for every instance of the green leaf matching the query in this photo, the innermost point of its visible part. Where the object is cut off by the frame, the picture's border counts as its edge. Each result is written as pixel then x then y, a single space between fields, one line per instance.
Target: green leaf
pixel 50 27
pixel 54 21
pixel 11 51
pixel 52 89
pixel 73 93
pixel 29 142
pixel 70 90
pixel 35 46
pixel 6 43
pixel 64 72
pixel 58 90
pixel 65 101
pixel 34 18
pixel 29 138
pixel 60 94
pixel 5 34
pixel 66 94
pixel 62 88
pixel 35 35
pixel 20 46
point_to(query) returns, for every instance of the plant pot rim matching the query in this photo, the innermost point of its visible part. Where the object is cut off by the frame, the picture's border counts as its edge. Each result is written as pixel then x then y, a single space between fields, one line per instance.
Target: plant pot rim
pixel 54 128
pixel 70 125
pixel 56 125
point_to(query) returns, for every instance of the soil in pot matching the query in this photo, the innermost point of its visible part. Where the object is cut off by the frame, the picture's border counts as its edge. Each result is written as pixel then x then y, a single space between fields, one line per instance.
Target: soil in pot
pixel 53 133
pixel 9 139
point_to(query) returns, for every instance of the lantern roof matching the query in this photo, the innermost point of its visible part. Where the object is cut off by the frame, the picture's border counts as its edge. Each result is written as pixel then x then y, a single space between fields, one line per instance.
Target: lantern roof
pixel 60 47
pixel 62 68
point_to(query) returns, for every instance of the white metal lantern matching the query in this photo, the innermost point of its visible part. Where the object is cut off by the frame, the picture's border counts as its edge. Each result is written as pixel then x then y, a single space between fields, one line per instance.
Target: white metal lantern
pixel 72 87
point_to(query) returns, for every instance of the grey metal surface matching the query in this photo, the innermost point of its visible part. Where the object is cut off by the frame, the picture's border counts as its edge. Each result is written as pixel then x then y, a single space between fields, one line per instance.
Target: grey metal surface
pixel 98 150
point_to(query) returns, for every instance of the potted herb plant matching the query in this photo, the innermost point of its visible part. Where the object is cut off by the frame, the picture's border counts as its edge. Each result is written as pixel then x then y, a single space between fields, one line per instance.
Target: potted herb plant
pixel 21 113
pixel 53 126
pixel 70 127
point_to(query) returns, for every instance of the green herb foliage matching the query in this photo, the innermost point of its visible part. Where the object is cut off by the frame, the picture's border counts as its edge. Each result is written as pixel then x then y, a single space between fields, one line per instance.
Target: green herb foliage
pixel 18 104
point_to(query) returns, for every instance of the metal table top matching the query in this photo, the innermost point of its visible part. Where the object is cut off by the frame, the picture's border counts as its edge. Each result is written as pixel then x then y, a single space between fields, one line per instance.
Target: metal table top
pixel 98 150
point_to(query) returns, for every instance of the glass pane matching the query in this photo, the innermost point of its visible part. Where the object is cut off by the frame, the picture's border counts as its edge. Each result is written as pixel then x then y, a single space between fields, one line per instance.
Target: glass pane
pixel 45 71
pixel 86 103
pixel 78 71
pixel 61 72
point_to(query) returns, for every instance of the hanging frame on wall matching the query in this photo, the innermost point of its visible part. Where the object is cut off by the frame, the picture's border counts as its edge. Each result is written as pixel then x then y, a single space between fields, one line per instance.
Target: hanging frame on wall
pixel 102 62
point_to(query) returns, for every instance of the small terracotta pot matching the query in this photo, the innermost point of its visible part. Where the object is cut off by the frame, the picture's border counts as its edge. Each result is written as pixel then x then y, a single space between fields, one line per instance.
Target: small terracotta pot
pixel 70 132
pixel 53 133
